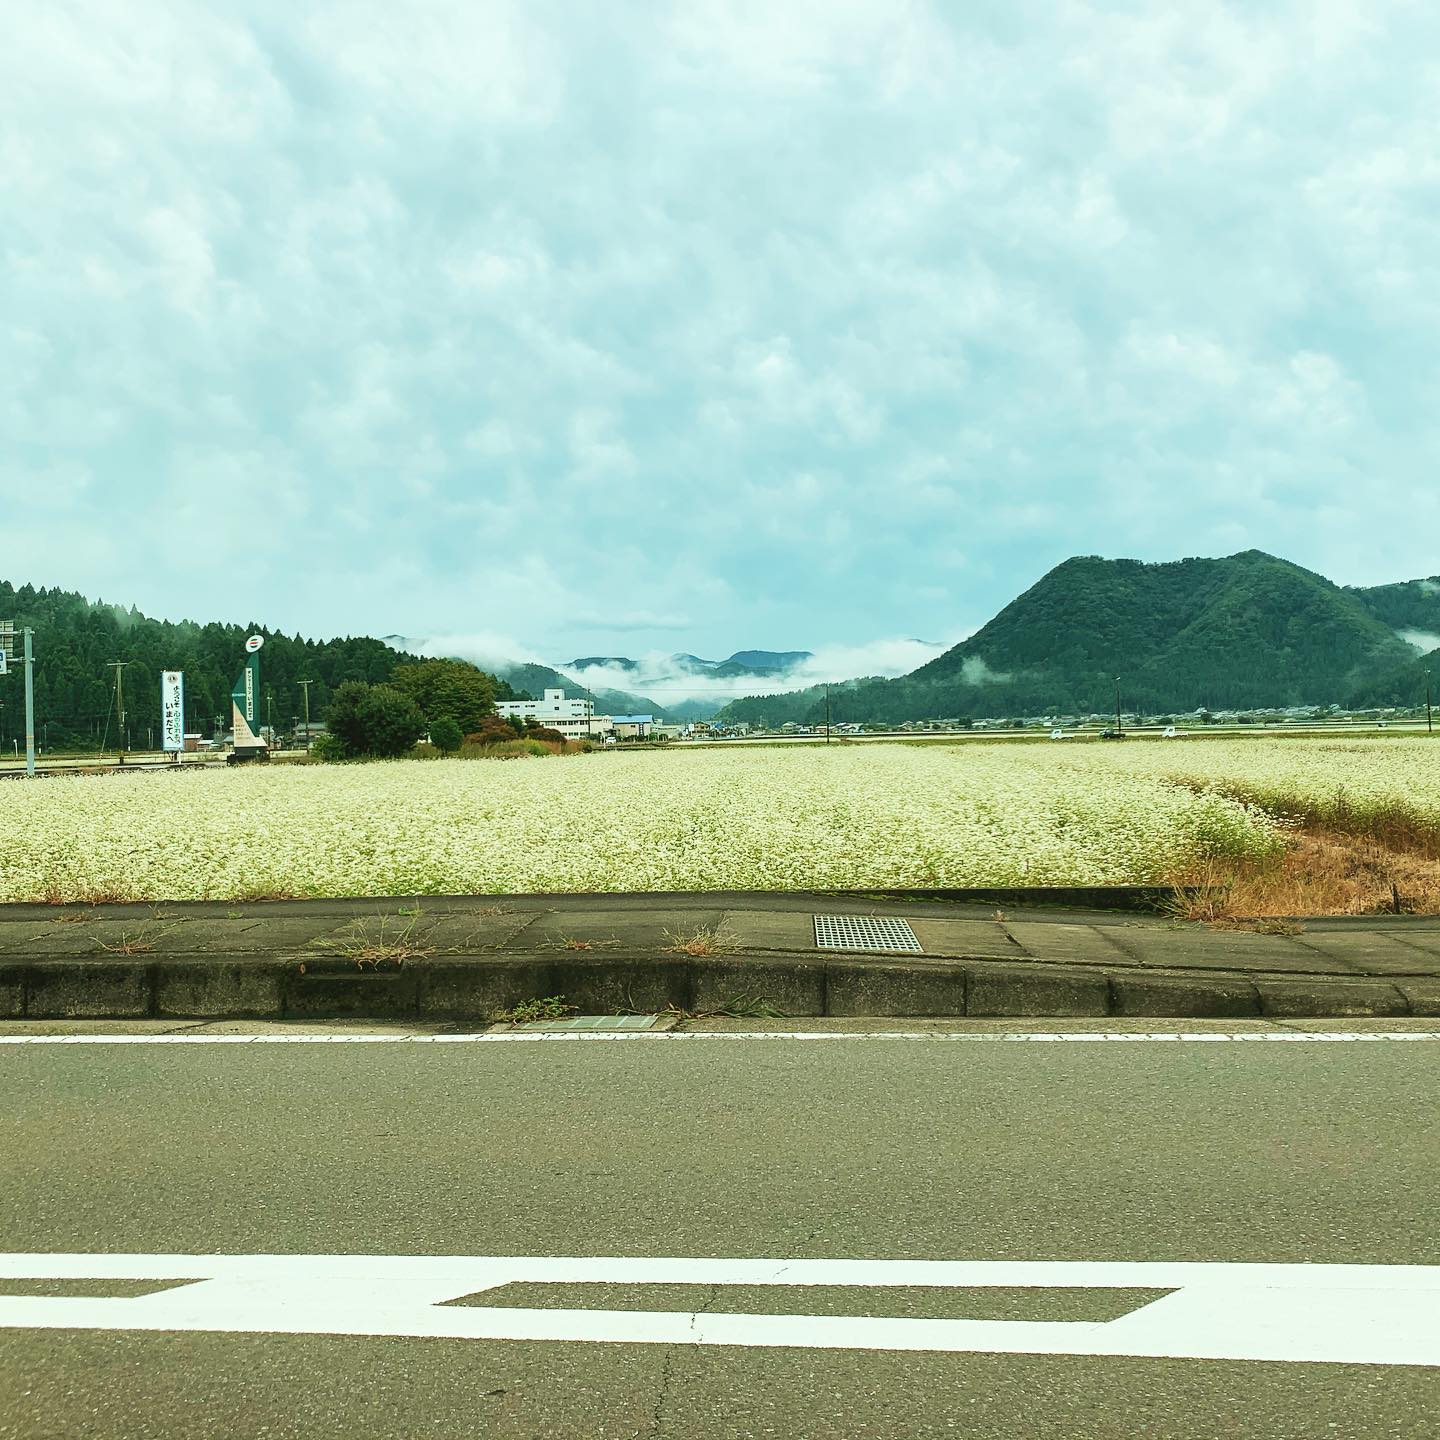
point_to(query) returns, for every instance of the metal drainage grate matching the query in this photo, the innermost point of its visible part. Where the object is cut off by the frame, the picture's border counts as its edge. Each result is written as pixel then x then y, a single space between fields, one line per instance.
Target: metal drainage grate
pixel 593 1022
pixel 864 932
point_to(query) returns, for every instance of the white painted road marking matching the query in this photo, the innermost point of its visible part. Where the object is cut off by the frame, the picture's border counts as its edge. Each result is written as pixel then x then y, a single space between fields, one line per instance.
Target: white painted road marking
pixel 656 1036
pixel 1341 1314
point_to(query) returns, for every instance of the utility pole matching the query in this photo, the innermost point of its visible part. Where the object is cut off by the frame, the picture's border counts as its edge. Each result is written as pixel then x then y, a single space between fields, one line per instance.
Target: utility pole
pixel 1119 728
pixel 118 666
pixel 29 701
pixel 270 711
pixel 1429 718
pixel 305 686
pixel 827 714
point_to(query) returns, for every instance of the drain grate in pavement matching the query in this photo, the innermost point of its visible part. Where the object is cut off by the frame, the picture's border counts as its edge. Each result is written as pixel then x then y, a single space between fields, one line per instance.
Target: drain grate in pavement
pixel 594 1022
pixel 864 932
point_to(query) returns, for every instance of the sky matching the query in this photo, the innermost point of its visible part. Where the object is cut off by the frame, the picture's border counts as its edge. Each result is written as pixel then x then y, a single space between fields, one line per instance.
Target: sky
pixel 571 327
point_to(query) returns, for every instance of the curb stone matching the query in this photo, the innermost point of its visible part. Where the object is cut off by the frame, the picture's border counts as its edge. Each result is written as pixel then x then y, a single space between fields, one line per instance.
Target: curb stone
pixel 1294 1000
pixel 465 988
pixel 1164 996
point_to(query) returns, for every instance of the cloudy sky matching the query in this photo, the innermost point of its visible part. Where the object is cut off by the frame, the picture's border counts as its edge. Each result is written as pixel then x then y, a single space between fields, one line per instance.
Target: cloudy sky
pixel 613 327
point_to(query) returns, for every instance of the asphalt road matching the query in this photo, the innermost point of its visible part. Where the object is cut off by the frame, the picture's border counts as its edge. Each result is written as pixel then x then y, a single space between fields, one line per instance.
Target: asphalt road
pixel 775 1149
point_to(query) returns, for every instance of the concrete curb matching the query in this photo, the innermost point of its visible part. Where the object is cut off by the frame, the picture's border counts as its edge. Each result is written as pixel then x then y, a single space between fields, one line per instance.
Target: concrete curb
pixel 479 987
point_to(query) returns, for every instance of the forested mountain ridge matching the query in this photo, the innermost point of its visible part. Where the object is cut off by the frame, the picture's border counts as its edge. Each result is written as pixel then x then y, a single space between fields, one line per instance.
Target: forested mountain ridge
pixel 1248 630
pixel 77 639
pixel 1410 605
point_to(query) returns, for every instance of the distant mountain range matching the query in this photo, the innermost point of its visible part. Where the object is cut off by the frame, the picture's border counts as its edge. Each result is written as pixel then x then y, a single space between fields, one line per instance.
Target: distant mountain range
pixel 1249 630
pixel 597 676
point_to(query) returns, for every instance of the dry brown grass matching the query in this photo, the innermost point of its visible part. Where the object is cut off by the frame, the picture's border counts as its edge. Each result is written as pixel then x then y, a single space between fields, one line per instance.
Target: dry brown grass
pixel 702 941
pixel 137 942
pixel 1323 871
pixel 87 895
pixel 380 940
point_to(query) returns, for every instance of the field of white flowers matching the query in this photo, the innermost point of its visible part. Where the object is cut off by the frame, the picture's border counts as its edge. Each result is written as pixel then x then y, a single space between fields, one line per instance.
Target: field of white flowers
pixel 1347 782
pixel 847 816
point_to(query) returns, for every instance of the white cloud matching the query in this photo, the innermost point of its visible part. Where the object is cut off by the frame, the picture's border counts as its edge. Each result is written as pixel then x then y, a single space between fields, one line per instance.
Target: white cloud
pixel 836 319
pixel 1423 640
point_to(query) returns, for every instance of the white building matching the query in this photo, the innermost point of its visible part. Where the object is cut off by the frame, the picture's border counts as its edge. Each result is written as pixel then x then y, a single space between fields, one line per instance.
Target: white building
pixel 574 719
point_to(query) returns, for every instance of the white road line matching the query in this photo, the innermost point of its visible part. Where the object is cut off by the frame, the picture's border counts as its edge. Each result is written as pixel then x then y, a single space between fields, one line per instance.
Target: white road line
pixel 1340 1314
pixel 655 1037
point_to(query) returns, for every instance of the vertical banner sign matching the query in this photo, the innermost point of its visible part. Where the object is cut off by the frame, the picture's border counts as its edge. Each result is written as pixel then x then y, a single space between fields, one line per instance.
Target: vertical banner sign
pixel 172 711
pixel 245 699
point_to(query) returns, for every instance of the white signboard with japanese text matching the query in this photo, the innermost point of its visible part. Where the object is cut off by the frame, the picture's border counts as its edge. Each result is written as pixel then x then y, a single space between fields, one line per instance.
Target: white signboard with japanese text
pixel 172 710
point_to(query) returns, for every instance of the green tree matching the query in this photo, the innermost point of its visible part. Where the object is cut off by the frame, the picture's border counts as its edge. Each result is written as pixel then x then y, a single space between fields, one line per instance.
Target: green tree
pixel 445 735
pixel 373 720
pixel 452 689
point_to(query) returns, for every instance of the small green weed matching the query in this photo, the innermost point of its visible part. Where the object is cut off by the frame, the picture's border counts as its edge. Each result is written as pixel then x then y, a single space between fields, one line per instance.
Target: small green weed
pixel 550 1007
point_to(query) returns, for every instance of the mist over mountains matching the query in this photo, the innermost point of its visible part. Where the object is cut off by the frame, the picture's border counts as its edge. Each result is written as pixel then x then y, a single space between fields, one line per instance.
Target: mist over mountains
pixel 681 686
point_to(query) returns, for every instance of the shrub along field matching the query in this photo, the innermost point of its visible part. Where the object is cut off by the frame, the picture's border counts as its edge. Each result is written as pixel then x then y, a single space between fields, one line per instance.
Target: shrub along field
pixel 803 817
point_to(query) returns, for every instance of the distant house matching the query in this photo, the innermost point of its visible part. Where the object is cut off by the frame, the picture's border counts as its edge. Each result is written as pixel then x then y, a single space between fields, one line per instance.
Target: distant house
pixel 632 727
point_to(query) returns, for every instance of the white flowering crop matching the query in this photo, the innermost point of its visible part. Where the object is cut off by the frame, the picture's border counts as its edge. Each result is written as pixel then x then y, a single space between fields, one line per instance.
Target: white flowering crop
pixel 745 818
pixel 1348 779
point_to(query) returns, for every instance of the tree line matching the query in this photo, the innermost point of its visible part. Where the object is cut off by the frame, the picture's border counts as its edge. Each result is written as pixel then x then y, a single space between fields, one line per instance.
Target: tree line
pixel 77 642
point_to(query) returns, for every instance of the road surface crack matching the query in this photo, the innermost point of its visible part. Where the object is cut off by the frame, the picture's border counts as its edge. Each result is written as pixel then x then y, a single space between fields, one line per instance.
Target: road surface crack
pixel 667 1373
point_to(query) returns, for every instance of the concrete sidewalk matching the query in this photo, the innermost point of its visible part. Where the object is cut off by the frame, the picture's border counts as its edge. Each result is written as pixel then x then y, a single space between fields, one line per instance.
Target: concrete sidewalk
pixel 471 957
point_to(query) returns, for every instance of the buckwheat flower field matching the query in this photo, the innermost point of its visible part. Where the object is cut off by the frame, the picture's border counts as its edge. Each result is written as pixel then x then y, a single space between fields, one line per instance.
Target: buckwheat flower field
pixel 1370 784
pixel 875 815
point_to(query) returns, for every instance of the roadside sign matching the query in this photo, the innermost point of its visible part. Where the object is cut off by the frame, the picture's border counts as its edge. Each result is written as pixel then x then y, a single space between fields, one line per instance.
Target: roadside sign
pixel 172 711
pixel 245 702
pixel 7 644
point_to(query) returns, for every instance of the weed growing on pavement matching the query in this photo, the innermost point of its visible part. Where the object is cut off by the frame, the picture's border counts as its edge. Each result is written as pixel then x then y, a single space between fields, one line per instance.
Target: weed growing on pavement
pixel 376 940
pixel 576 942
pixel 746 1007
pixel 527 1012
pixel 703 940
pixel 140 942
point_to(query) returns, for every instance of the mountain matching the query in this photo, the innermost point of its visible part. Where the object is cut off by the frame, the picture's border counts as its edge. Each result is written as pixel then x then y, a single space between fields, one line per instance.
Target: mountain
pixel 1411 608
pixel 742 662
pixel 1248 630
pixel 596 662
pixel 766 660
